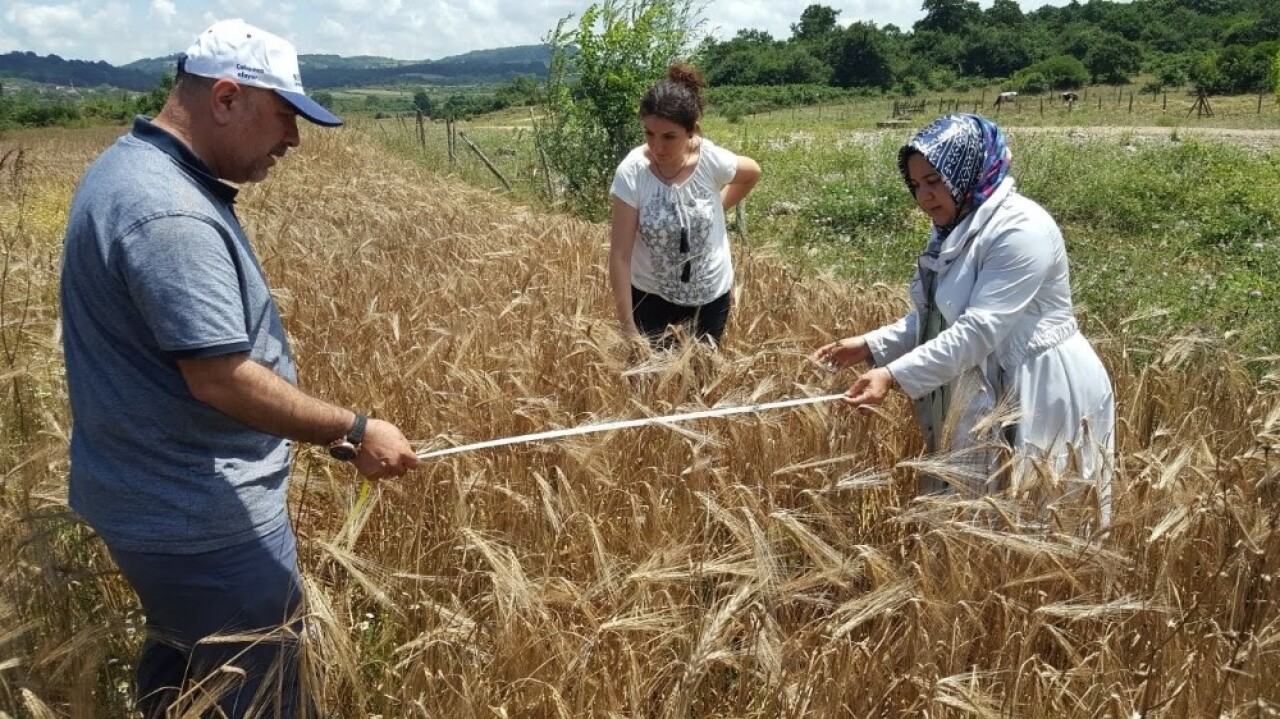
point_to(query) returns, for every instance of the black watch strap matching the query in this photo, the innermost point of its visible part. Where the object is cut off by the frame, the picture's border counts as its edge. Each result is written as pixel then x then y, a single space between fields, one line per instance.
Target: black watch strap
pixel 355 435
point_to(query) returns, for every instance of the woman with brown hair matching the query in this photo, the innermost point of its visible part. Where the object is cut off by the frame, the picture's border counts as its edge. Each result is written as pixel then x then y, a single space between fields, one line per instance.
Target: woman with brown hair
pixel 669 259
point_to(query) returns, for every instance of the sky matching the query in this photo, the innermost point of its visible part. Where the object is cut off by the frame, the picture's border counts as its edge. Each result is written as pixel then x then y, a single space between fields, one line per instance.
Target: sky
pixel 120 31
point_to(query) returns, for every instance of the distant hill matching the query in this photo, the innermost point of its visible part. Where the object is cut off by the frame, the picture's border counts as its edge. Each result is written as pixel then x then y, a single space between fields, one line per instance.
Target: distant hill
pixel 317 62
pixel 151 66
pixel 512 55
pixel 318 71
pixel 53 70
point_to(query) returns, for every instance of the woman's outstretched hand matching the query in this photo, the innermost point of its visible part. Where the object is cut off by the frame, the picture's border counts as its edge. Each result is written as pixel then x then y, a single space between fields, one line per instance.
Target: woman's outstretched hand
pixel 842 353
pixel 870 388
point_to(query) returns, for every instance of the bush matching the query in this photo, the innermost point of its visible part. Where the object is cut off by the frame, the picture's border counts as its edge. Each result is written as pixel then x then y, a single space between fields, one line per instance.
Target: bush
pixel 60 113
pixel 1029 82
pixel 1059 73
pixel 909 86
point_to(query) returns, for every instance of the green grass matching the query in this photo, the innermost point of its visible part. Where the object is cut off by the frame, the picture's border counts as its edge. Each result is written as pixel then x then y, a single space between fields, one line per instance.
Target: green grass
pixel 1177 225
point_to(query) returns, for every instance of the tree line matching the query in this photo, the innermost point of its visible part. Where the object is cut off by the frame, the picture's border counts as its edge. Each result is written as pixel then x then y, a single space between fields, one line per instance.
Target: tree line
pixel 1218 46
pixel 43 106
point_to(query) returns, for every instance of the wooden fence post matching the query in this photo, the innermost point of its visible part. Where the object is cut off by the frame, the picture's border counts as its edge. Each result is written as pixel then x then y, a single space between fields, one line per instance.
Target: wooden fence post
pixel 449 141
pixel 485 160
pixel 740 212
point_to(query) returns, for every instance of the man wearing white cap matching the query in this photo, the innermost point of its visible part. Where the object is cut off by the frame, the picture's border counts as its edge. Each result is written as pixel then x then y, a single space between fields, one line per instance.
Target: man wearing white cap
pixel 183 388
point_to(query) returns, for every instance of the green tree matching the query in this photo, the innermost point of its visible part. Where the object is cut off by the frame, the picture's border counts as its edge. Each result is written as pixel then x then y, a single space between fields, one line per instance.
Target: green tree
pixel 422 103
pixel 324 98
pixel 943 50
pixel 818 33
pixel 1126 21
pixel 522 90
pixel 736 61
pixel 998 52
pixel 1205 75
pixel 862 58
pixel 817 23
pixel 1275 76
pixel 599 70
pixel 1247 69
pixel 151 102
pixel 1112 59
pixel 458 106
pixel 787 64
pixel 1004 14
pixel 1169 70
pixel 949 16
pixel 735 68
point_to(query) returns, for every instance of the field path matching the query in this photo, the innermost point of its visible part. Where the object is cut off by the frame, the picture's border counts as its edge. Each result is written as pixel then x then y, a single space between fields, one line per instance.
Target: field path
pixel 1258 139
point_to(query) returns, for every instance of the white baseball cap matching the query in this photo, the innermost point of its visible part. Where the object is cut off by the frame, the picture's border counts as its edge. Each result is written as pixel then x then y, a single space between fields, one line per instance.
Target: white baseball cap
pixel 236 50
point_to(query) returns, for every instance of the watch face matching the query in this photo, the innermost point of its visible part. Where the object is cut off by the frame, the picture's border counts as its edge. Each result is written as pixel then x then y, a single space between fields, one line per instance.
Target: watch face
pixel 344 451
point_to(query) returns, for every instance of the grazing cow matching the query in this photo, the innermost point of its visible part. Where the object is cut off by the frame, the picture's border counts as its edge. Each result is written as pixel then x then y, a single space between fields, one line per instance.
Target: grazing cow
pixel 1005 98
pixel 1070 97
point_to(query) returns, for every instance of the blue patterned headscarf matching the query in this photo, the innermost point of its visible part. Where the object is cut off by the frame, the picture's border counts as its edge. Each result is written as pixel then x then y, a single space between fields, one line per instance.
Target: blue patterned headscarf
pixel 970 154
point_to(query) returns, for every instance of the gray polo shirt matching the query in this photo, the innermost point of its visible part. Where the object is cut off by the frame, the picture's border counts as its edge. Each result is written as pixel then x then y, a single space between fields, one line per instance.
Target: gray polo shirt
pixel 156 268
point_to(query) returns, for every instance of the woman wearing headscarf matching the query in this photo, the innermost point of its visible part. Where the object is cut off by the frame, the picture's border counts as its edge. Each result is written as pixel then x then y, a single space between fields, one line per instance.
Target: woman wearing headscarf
pixel 992 324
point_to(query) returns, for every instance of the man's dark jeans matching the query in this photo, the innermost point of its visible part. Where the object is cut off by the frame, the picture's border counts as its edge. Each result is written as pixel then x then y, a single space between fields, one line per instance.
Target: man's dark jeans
pixel 191 600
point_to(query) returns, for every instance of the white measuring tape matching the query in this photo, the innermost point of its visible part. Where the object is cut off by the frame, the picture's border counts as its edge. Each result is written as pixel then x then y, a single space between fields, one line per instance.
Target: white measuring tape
pixel 627 424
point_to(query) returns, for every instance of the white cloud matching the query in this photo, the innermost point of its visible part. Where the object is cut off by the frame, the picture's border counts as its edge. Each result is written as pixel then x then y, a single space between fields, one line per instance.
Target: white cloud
pixel 9 43
pixel 165 10
pixel 350 6
pixel 239 7
pixel 45 21
pixel 332 29
pixel 76 30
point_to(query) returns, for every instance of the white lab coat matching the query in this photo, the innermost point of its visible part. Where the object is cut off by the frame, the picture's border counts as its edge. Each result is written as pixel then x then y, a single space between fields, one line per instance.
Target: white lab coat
pixel 1011 336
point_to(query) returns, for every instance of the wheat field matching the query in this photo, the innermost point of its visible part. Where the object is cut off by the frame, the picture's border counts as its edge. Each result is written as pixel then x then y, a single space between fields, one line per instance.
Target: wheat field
pixel 772 565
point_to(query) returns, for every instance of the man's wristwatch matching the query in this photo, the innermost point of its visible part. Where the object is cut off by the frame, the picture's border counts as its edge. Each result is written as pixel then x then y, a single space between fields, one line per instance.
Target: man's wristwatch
pixel 347 447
